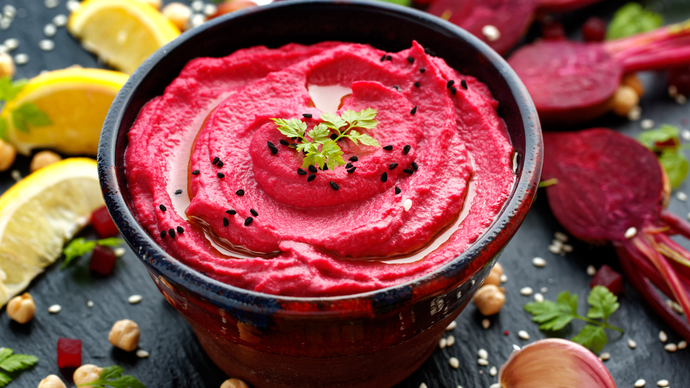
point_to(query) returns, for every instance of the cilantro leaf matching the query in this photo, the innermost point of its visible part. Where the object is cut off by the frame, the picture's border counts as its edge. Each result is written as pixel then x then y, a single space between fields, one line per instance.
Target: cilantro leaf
pixel 80 246
pixel 18 362
pixel 603 303
pixel 4 379
pixel 111 376
pixel 291 128
pixel 592 337
pixel 9 89
pixel 29 114
pixel 319 133
pixel 333 121
pixel 3 128
pixel 550 315
pixel 676 166
pixel 632 19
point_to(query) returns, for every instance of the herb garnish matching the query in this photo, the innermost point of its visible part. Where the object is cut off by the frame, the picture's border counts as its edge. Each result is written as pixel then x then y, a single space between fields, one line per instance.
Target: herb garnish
pixel 329 151
pixel 665 142
pixel 632 19
pixel 111 376
pixel 80 246
pixel 556 315
pixel 23 115
pixel 10 362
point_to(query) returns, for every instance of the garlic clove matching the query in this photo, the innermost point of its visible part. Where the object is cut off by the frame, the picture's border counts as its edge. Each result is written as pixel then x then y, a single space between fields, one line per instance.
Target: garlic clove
pixel 554 361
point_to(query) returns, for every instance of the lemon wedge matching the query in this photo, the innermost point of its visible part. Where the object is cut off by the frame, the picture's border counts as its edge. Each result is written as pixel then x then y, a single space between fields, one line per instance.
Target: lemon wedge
pixel 39 214
pixel 123 33
pixel 75 100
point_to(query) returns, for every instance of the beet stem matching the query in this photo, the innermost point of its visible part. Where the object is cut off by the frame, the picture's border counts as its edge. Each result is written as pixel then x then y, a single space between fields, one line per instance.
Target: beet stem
pixel 678 224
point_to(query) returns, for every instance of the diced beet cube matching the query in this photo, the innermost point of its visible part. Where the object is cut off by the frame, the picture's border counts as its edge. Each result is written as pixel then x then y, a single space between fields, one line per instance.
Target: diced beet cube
pixel 594 29
pixel 553 31
pixel 608 278
pixel 69 353
pixel 102 260
pixel 104 225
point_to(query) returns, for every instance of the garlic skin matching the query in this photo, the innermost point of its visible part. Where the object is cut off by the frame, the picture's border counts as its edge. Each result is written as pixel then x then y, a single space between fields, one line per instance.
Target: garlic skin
pixel 554 362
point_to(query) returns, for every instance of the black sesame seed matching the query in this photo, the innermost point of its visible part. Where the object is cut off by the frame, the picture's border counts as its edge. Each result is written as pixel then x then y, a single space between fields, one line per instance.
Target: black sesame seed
pixel 393 166
pixel 178 191
pixel 383 57
pixel 311 177
pixel 216 160
pixel 272 147
pixel 325 167
pixel 384 177
pixel 334 186
pixel 254 212
pixel 301 172
pixel 397 190
pixel 406 149
pixel 307 115
pixel 220 164
pixel 180 230
pixel 171 233
pixel 239 192
pixel 163 234
pixel 453 90
pixel 389 58
pixel 334 136
pixel 162 207
pixel 429 51
pixel 195 172
pixel 312 168
pixel 408 171
pixel 463 83
pixel 351 170
pixel 232 212
pixel 388 147
pixel 396 87
pixel 293 145
pixel 221 175
pixel 284 142
pixel 226 222
pixel 410 59
pixel 348 166
pixel 449 83
pixel 414 110
pixel 248 221
pixel 354 158
pixel 417 84
pixel 422 70
pixel 415 166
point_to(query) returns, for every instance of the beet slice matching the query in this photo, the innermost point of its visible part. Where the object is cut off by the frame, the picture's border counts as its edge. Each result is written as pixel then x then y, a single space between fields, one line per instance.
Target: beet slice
pixel 610 189
pixel 572 82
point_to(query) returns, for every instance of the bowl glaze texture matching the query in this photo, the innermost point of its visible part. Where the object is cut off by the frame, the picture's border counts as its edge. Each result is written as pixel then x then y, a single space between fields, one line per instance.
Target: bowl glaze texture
pixel 374 339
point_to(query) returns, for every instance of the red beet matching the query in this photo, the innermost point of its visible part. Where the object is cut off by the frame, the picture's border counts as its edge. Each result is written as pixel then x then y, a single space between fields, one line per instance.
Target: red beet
pixel 69 353
pixel 563 5
pixel 102 260
pixel 573 82
pixel 594 29
pixel 104 225
pixel 607 277
pixel 607 184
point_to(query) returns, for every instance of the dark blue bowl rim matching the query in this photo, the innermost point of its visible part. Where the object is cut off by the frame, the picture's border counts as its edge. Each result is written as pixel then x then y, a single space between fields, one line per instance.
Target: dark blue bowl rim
pixel 222 294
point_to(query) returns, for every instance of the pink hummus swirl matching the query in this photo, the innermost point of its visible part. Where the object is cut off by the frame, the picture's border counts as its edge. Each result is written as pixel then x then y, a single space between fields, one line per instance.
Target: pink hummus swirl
pixel 254 222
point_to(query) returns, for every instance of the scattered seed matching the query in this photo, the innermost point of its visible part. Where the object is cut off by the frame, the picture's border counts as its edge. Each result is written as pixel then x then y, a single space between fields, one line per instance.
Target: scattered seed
pixel 483 354
pixel 335 186
pixel 414 110
pixel 134 299
pixel 422 70
pixel 417 84
pixel 197 20
pixel 604 356
pixel 482 362
pixel 442 343
pixel 640 383
pixel 313 169
pixel 591 271
pixel 180 230
pixel 351 170
pixel 672 91
pixel 397 190
pixel 453 90
pixel 451 326
pixel 647 124
pixel 682 345
pixel 196 172
pixel 61 20
pixel 567 248
pixel 163 233
pixel 392 166
pixel 220 175
pixel 560 236
pixel 449 84
pixel 450 340
pixel 543 290
pixel 491 33
pixel 523 335
pixel 539 262
pixel 407 204
pixel 248 221
pixel 384 177
pixel 21 59
pixel 49 30
pixel 415 166
pixel 353 158
pixel 681 99
pixel 119 251
pixel 54 309
pixel 486 323
pixel 178 191
pixel 410 59
pixel 162 207
pixel 284 142
pixel 635 113
pixel 239 192
pixel 555 249
pixel 89 304
pixel 383 57
pixel 408 171
pixel 9 10
pixel 197 5
pixel 311 177
pixel 454 362
pixel 526 291
pixel 538 297
pixel 171 233
pixel 141 353
pixel 422 385
pixel 301 171
pixel 663 337
pixel 504 278
pixel 406 149
pixel 685 134
pixel 11 43
pixel 388 147
pixel 493 371
pixel 232 212
pixel 226 222
pixel 671 348
pixel 5 23
pixel 51 3
pixel 662 383
pixel 681 196
pixel 254 212
pixel 463 83
pixel 272 147
pixel 389 58
pixel 496 385
pixel 632 344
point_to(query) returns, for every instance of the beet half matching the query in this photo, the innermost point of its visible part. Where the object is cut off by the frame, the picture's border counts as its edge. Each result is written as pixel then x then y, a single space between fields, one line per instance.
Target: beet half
pixel 572 82
pixel 607 184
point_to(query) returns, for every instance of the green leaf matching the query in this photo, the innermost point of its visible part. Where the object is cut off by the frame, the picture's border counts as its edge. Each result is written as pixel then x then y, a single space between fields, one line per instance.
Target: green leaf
pixel 29 114
pixel 4 379
pixel 3 128
pixel 592 337
pixel 110 242
pixel 112 377
pixel 291 128
pixel 363 137
pixel 569 302
pixel 319 133
pixel 660 135
pixel 548 182
pixel 9 89
pixel 676 166
pixel 331 150
pixel 603 303
pixel 4 353
pixel 18 362
pixel 80 246
pixel 632 19
pixel 552 316
pixel 333 121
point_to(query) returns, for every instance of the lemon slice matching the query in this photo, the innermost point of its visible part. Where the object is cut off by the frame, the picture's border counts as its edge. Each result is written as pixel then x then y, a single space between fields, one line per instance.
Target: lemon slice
pixel 39 214
pixel 76 101
pixel 123 33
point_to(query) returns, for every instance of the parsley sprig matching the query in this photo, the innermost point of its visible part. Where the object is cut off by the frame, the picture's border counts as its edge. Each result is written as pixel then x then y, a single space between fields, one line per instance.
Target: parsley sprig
pixel 317 144
pixel 111 376
pixel 665 142
pixel 81 246
pixel 25 114
pixel 10 362
pixel 556 315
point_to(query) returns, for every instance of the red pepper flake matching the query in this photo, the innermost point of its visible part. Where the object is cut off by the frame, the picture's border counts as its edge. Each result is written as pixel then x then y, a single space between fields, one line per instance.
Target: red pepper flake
pixel 506 333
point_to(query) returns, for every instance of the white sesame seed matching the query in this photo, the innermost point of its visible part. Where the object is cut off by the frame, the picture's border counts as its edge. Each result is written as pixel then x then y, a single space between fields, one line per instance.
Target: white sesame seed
pixel 454 363
pixel 497 385
pixel 21 59
pixel 671 348
pixel 504 278
pixel 481 372
pixel 681 196
pixel 72 5
pixel 640 383
pixel 591 271
pixel 134 299
pixel 3 49
pixel 681 99
pixel 89 303
pixel 197 5
pixel 555 249
pixel 604 356
pixel 451 326
pixel 560 236
pixel 538 297
pixel 493 371
pixel 567 248
pixel 210 9
pixel 685 134
pixel 407 204
pixel 49 30
pixel 662 383
pixel 682 345
pixel 647 124
pixel 632 344
pixel 61 20
pixel 16 175
pixel 482 362
pixel 46 45
pixel 51 3
pixel 491 33
pixel 635 113
pixel 663 337
pixel 54 309
pixel 11 43
pixel 9 11
pixel 119 252
pixel 486 323
pixel 516 348
pixel 442 343
pixel 523 335
pixel 483 354
pixel 141 353
pixel 450 341
pixel 672 91
pixel 557 243
pixel 526 291
pixel 543 290
pixel 422 385
pixel 538 262
pixel 5 23
pixel 631 232
pixel 197 20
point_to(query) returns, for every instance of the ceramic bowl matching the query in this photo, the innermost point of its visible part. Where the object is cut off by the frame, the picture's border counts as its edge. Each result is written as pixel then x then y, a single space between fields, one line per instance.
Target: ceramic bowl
pixel 374 339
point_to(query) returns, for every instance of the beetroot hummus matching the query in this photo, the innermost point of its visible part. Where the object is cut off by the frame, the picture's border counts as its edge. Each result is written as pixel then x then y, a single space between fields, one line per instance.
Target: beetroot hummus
pixel 220 188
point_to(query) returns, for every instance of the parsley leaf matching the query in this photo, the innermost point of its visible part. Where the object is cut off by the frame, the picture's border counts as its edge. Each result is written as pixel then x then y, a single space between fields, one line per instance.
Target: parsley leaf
pixel 81 246
pixel 592 337
pixel 111 376
pixel 9 89
pixel 603 303
pixel 676 166
pixel 10 362
pixel 291 128
pixel 665 142
pixel 632 19
pixel 319 134
pixel 29 114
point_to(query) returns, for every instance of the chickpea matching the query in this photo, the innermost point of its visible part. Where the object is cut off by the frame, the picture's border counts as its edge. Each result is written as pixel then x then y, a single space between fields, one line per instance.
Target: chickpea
pixel 125 335
pixel 21 308
pixel 6 65
pixel 489 299
pixel 495 275
pixel 86 374
pixel 44 159
pixel 624 100
pixel 51 381
pixel 178 13
pixel 7 155
pixel 157 4
pixel 635 83
pixel 234 383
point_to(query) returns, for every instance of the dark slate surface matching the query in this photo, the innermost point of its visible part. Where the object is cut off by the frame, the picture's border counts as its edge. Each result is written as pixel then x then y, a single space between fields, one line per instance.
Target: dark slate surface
pixel 177 359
